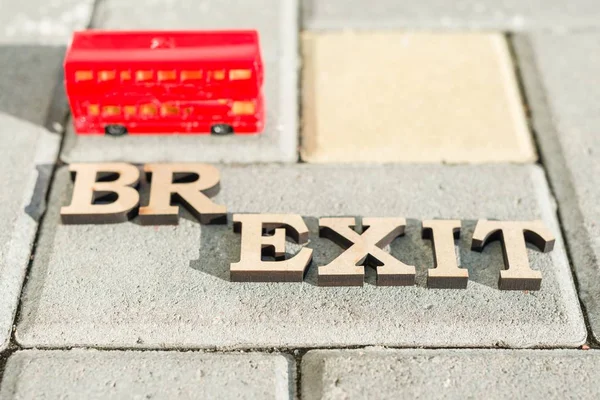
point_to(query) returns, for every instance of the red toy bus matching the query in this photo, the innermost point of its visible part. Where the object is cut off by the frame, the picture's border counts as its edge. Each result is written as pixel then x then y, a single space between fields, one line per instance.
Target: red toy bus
pixel 162 82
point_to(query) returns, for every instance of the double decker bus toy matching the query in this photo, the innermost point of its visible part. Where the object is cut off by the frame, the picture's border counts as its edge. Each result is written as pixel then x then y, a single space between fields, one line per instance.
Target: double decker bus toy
pixel 165 82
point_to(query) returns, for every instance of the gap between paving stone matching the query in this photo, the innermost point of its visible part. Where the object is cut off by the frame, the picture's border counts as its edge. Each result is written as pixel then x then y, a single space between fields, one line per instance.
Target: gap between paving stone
pixel 557 105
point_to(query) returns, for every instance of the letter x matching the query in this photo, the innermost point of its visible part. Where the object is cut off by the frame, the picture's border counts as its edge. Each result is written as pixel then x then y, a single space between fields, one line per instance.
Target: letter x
pixel 348 268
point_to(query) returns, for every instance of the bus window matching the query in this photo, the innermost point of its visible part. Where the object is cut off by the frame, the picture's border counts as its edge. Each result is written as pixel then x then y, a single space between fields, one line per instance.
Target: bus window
pixel 148 110
pixel 111 110
pixel 243 108
pixel 106 75
pixel 169 110
pixel 83 76
pixel 167 75
pixel 129 111
pixel 125 75
pixel 93 109
pixel 143 75
pixel 218 75
pixel 191 75
pixel 239 74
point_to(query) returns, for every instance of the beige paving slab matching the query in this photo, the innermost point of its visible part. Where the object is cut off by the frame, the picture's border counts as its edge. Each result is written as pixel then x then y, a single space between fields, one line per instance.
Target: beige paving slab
pixel 411 97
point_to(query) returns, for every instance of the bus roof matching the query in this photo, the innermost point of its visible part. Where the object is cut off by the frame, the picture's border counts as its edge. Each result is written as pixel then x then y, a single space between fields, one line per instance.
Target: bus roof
pixel 159 46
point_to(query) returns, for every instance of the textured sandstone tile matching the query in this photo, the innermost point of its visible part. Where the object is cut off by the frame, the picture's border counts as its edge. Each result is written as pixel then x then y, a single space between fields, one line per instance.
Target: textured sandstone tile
pixel 93 374
pixel 513 15
pixel 411 97
pixel 443 374
pixel 563 85
pixel 276 22
pixel 127 285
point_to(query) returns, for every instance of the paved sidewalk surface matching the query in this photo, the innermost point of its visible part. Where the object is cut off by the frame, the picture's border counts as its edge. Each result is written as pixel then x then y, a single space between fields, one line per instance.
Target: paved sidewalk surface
pixel 561 73
pixel 96 374
pixel 367 107
pixel 438 374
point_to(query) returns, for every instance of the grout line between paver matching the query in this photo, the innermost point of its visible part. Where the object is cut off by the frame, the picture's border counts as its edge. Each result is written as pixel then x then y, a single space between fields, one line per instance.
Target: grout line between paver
pixel 543 164
pixel 291 350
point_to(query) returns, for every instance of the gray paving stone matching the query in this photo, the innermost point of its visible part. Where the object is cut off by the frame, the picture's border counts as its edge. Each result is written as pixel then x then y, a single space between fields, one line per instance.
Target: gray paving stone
pixel 450 374
pixel 42 22
pixel 514 15
pixel 561 79
pixel 276 22
pixel 145 286
pixel 28 82
pixel 93 374
pixel 27 153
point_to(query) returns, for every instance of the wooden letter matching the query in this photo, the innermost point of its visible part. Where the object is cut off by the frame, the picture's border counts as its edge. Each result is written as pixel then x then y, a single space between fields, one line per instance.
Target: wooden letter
pixel 446 273
pixel 513 234
pixel 193 195
pixel 366 249
pixel 87 189
pixel 251 267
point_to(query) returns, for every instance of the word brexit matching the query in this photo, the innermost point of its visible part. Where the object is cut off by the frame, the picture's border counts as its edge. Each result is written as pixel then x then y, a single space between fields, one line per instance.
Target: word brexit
pixel 106 193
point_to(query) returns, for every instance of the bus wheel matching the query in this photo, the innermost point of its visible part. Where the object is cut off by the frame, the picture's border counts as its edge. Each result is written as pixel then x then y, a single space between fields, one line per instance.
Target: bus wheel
pixel 221 129
pixel 115 130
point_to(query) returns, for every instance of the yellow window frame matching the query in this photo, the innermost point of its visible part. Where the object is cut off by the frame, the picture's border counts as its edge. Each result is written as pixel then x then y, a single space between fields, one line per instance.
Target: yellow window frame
pixel 129 111
pixel 85 75
pixel 240 74
pixel 144 75
pixel 169 110
pixel 111 110
pixel 93 109
pixel 170 75
pixel 189 75
pixel 148 110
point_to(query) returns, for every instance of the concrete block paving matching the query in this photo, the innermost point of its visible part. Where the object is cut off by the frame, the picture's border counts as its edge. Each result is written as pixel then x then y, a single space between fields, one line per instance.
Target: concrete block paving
pixel 94 374
pixel 507 91
pixel 126 285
